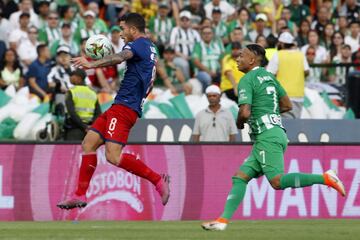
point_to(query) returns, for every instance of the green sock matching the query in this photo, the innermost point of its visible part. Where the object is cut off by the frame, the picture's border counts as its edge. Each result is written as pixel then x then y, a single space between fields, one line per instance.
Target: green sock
pixel 234 198
pixel 296 180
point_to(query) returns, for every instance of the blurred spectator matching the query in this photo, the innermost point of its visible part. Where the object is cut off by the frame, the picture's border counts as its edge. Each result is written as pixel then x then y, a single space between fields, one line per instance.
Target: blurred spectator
pixel 215 123
pixel 277 10
pixel 38 70
pixel 231 75
pixel 89 29
pixel 271 49
pixel 65 39
pixel 118 43
pixel 147 8
pixel 354 38
pixel 326 39
pixel 322 20
pixel 182 39
pixel 174 79
pixel 302 37
pixel 280 24
pixel 220 28
pixel 115 9
pixel 260 27
pixel 342 25
pixel 68 15
pixel 51 31
pixel 44 10
pixel 10 71
pixel 99 24
pixel 290 67
pixel 338 75
pixel 337 40
pixel 59 75
pixel 82 107
pixel 20 34
pixel 5 28
pixel 206 57
pixel 261 40
pixel 227 10
pixel 242 21
pixel 286 14
pixel 235 36
pixel 196 8
pixel 299 12
pixel 25 6
pixel 313 38
pixel 161 25
pixel 350 9
pixel 314 72
pixel 27 49
pixel 8 7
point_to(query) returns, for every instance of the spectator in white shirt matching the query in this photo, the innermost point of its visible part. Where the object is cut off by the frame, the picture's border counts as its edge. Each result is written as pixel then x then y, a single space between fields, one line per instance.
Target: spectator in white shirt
pixel 227 10
pixel 183 39
pixel 27 49
pixel 260 28
pixel 321 54
pixel 354 38
pixel 20 34
pixel 25 6
pixel 5 29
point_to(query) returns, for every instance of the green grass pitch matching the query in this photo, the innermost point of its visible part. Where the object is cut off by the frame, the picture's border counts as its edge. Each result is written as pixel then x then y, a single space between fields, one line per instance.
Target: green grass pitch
pixel 191 230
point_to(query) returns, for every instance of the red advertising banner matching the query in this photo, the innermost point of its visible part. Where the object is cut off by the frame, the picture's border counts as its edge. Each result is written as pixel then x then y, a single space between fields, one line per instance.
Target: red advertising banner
pixel 34 178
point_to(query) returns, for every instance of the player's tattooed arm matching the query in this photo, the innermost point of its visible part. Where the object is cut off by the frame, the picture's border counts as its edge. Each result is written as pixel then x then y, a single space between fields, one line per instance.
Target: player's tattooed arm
pixel 113 59
pixel 243 115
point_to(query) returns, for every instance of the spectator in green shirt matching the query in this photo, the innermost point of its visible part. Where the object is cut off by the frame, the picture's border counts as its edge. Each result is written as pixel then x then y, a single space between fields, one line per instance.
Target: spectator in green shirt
pixel 51 31
pixel 88 30
pixel 99 24
pixel 299 12
pixel 65 39
pixel 219 26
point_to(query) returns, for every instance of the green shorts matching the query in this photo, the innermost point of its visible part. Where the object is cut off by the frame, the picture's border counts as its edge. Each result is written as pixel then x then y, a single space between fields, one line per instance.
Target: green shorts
pixel 267 155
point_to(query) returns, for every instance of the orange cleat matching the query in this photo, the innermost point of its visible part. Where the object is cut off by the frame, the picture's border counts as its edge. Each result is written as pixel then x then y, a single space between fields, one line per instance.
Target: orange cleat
pixel 219 224
pixel 332 180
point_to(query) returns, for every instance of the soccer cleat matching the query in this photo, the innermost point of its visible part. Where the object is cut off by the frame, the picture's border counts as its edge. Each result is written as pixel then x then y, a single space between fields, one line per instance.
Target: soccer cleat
pixel 332 180
pixel 162 187
pixel 217 225
pixel 74 202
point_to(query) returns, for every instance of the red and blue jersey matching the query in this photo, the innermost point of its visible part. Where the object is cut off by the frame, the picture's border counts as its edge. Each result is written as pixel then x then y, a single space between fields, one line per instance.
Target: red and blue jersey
pixel 139 76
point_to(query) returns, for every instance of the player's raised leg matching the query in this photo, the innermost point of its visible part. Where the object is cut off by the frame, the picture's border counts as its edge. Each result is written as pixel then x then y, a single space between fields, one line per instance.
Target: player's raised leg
pixel 90 143
pixel 132 164
pixel 236 195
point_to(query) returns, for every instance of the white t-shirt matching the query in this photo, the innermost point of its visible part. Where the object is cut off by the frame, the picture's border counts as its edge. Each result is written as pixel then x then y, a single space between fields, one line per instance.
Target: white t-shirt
pixel 5 29
pixel 353 42
pixel 320 54
pixel 226 9
pixel 14 19
pixel 18 36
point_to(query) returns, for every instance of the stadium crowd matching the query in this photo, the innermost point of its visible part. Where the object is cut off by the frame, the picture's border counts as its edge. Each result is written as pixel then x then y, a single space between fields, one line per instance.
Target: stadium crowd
pixel 197 41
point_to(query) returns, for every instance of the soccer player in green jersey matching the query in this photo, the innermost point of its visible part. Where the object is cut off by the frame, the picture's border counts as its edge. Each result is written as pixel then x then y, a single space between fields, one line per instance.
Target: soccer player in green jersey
pixel 261 100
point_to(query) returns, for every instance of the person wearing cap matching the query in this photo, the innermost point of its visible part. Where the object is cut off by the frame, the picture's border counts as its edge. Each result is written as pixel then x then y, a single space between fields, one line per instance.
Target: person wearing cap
pixel 27 49
pixel 183 39
pixel 20 34
pixel 88 29
pixel 161 25
pixel 146 8
pixel 219 25
pixel 227 10
pixel 260 27
pixel 59 75
pixel 25 6
pixel 51 31
pixel 230 74
pixel 290 67
pixel 215 123
pixel 92 9
pixel 82 107
pixel 206 57
pixel 65 39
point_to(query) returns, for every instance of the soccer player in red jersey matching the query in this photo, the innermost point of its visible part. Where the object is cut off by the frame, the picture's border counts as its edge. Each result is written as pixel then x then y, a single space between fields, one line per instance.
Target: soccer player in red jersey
pixel 113 126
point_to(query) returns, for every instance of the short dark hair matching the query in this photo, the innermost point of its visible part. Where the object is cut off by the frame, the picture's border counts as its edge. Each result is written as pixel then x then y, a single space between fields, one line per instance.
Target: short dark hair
pixel 271 41
pixel 40 48
pixel 136 20
pixel 354 22
pixel 258 50
pixel 80 73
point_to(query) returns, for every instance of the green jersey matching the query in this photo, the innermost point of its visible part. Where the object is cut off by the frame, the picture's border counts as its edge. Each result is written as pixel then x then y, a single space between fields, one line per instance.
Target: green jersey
pixel 262 91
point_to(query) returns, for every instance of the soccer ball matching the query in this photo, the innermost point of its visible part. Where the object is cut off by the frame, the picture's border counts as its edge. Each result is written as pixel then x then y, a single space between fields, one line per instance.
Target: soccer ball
pixel 98 46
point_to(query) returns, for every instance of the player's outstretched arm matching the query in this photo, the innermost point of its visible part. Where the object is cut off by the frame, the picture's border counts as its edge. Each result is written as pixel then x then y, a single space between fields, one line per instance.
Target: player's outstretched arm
pixel 243 115
pixel 285 104
pixel 109 60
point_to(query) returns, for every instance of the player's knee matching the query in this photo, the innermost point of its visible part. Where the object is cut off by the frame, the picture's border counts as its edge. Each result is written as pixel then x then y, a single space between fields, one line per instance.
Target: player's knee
pixel 111 158
pixel 275 183
pixel 87 146
pixel 242 175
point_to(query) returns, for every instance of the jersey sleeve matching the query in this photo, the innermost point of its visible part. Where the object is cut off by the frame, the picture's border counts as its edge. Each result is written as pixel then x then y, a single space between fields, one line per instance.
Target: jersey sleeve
pixel 281 90
pixel 133 47
pixel 197 52
pixel 245 91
